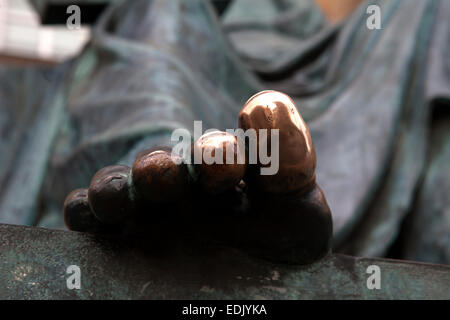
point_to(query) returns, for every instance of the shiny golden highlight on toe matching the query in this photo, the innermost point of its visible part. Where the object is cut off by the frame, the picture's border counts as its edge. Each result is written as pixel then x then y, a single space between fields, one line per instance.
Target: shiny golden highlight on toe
pixel 297 158
pixel 220 161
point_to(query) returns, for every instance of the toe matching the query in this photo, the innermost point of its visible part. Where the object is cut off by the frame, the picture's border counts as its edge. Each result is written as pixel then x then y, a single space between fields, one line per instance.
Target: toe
pixel 77 213
pixel 158 176
pixel 110 196
pixel 291 148
pixel 219 162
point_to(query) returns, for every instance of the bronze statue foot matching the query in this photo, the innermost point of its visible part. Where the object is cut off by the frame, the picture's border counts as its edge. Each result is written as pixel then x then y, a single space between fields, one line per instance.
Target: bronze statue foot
pixel 274 210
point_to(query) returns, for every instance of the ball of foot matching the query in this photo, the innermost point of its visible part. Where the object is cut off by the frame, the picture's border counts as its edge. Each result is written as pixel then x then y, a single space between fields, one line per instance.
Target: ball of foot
pixel 289 228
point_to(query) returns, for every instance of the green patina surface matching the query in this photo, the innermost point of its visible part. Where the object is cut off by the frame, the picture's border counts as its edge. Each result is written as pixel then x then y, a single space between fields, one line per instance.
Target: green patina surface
pixel 34 262
pixel 370 146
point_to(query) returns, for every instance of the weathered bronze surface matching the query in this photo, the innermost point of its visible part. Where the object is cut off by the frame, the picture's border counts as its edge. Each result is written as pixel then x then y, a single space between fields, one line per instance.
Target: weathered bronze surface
pixel 426 234
pixel 35 260
pixel 365 95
